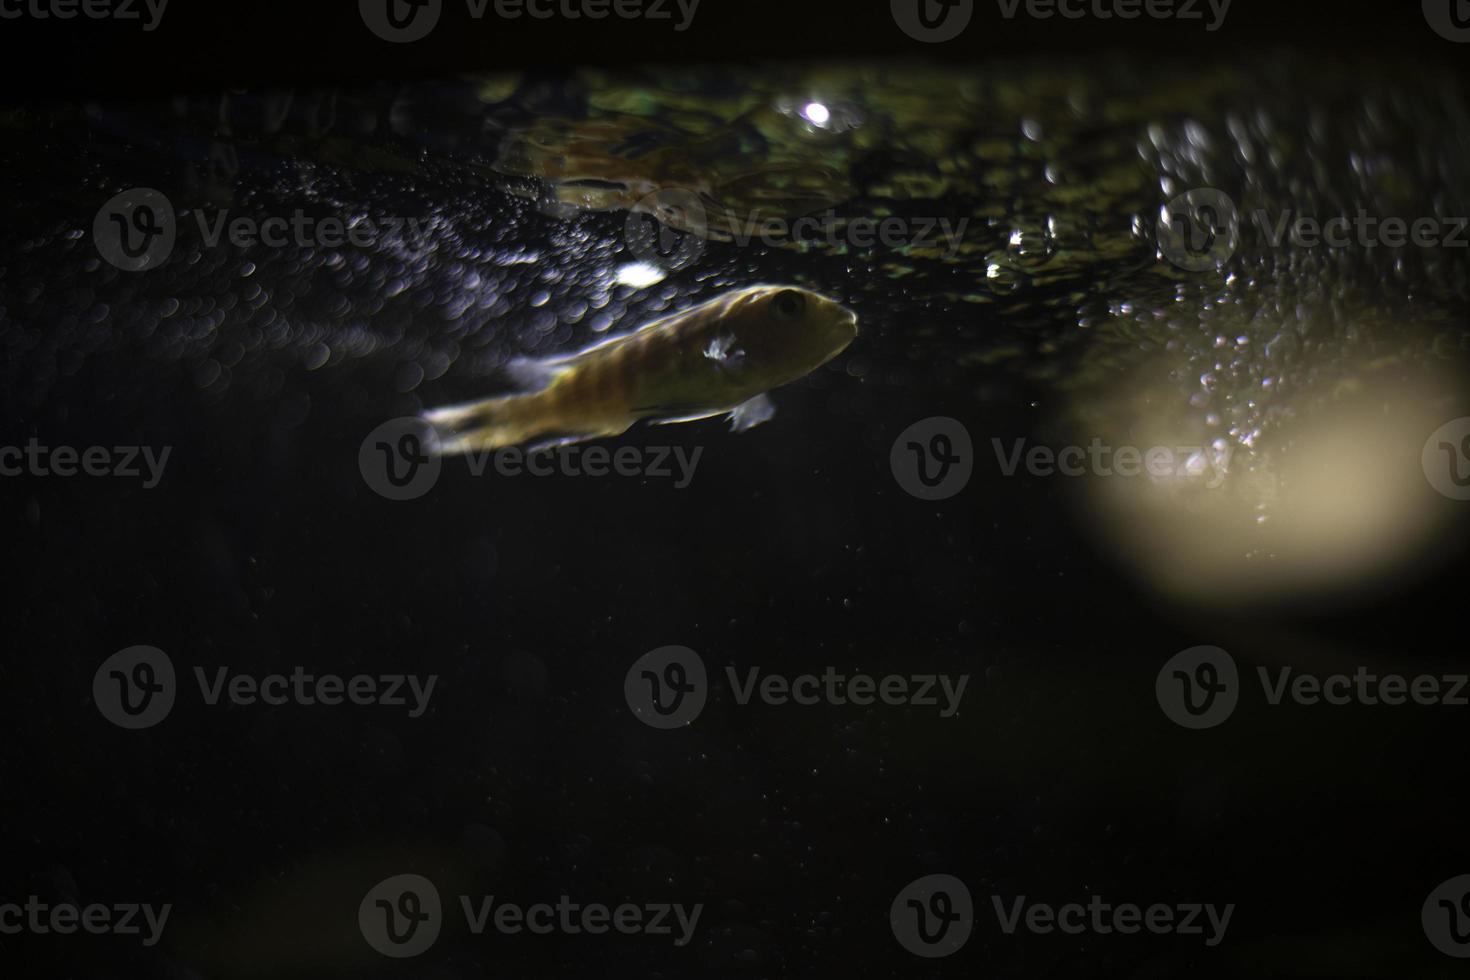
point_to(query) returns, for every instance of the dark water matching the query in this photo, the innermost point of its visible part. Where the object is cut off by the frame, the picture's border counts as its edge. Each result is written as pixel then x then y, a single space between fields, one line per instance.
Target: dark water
pixel 793 548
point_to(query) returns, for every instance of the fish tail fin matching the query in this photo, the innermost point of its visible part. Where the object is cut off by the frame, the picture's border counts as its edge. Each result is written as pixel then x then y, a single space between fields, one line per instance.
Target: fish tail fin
pixel 493 423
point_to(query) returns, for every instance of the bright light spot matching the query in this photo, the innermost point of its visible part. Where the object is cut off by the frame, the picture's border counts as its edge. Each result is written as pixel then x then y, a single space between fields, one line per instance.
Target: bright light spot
pixel 816 113
pixel 1331 499
pixel 640 275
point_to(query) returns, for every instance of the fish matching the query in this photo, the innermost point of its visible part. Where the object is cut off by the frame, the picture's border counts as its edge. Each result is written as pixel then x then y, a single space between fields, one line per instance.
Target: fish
pixel 721 357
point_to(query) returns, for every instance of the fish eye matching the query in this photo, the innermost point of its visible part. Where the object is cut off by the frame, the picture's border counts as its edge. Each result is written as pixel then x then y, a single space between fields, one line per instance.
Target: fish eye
pixel 789 304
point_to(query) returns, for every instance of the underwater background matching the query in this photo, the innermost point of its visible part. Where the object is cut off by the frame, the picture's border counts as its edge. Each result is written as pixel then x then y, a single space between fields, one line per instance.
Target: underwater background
pixel 1043 286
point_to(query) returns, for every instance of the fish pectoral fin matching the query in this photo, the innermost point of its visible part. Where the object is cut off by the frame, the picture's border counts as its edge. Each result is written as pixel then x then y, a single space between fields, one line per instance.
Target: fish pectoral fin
pixel 749 414
pixel 727 353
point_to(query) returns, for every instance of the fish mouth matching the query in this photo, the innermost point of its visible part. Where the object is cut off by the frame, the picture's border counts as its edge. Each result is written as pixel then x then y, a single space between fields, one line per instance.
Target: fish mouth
pixel 848 328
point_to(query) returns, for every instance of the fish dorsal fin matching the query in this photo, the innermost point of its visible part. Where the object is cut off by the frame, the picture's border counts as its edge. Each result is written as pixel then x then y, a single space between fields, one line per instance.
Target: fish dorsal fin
pixel 570 358
pixel 538 372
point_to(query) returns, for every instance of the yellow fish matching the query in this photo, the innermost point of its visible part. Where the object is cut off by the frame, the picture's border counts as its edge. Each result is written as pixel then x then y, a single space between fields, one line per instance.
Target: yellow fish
pixel 719 357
